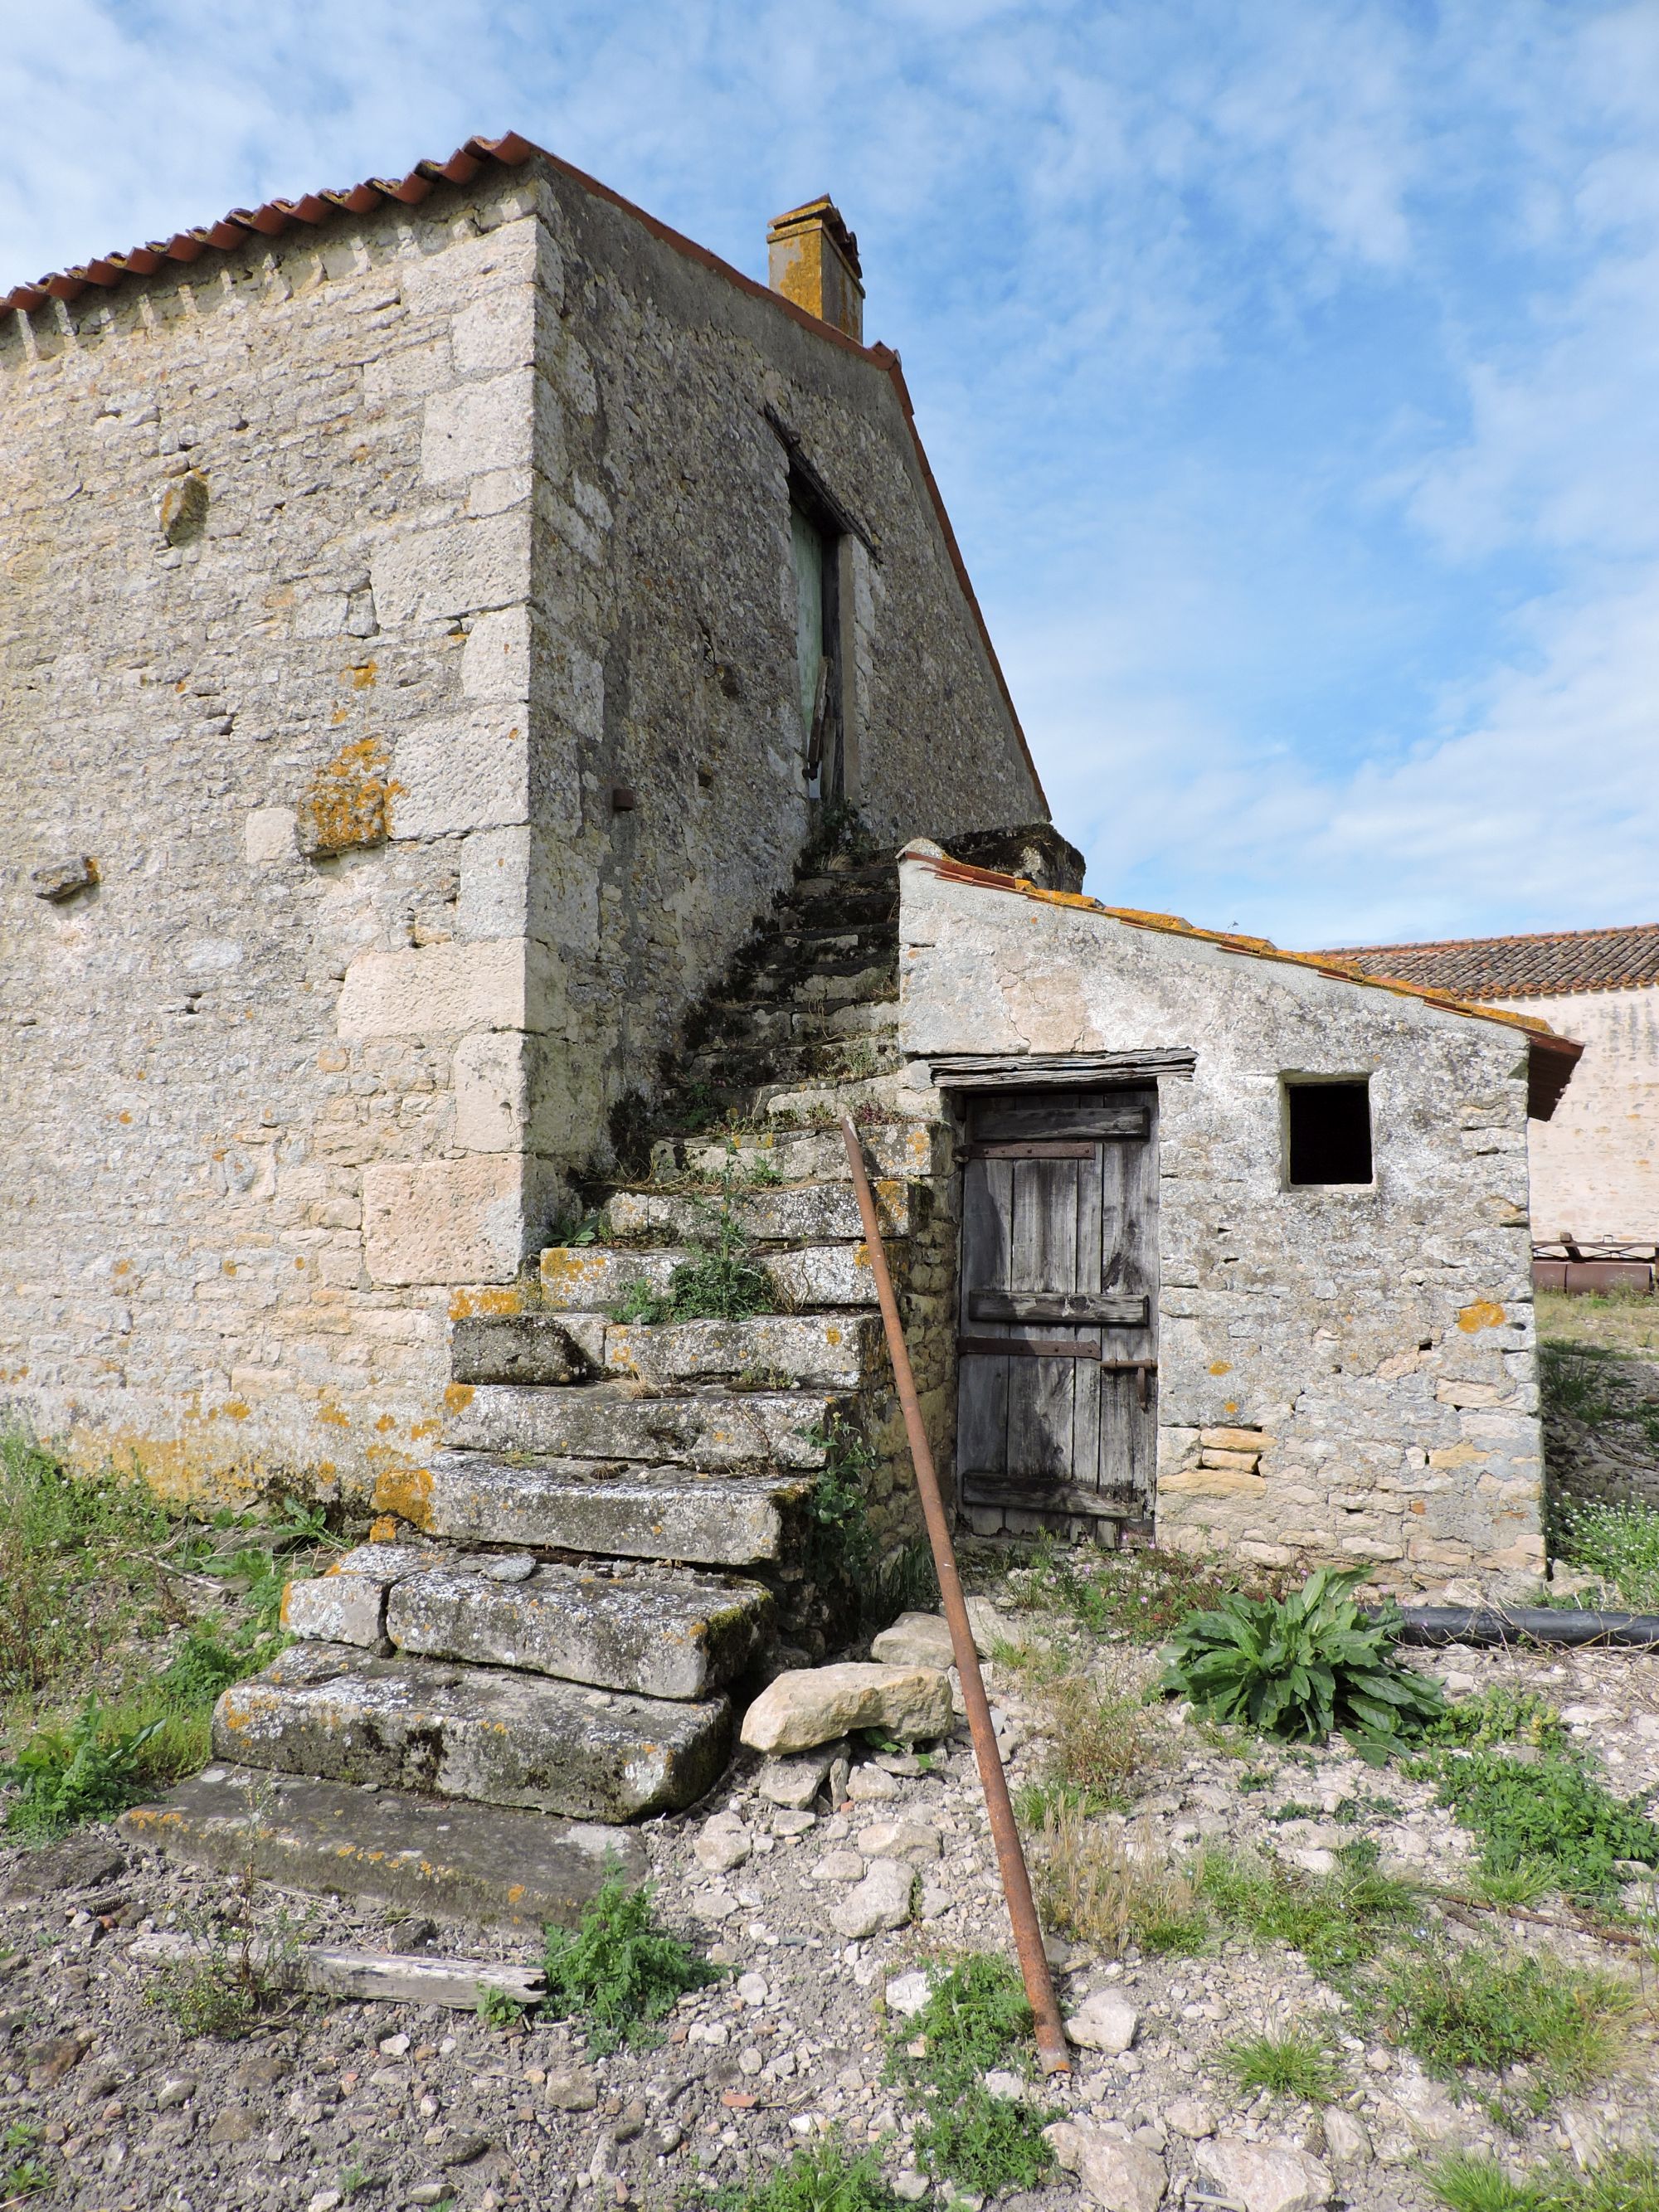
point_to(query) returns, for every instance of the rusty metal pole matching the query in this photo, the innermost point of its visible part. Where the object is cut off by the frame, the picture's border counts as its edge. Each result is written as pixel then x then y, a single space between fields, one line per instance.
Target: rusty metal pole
pixel 1010 1857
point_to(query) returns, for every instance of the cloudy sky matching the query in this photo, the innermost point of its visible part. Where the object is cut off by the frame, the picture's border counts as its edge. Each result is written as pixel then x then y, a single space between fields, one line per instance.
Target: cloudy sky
pixel 1291 371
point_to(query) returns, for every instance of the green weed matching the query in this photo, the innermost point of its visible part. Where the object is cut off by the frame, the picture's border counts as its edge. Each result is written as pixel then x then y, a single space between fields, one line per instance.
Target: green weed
pixel 1625 2181
pixel 1337 1921
pixel 498 2010
pixel 820 2177
pixel 976 2019
pixel 1573 1379
pixel 1488 2011
pixel 1141 1596
pixel 234 1979
pixel 90 1769
pixel 1547 1817
pixel 617 1971
pixel 1289 2065
pixel 1301 1667
pixel 1621 1543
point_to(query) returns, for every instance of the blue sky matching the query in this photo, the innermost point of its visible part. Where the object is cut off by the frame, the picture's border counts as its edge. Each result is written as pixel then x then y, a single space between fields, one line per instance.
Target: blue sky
pixel 1291 372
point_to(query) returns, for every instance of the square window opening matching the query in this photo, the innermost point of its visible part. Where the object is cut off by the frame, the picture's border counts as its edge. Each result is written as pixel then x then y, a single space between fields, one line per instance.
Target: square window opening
pixel 1328 1132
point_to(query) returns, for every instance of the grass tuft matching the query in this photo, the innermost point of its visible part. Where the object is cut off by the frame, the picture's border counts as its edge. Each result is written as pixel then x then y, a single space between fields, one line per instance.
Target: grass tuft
pixel 1625 2181
pixel 1619 1543
pixel 1289 2065
pixel 1098 1889
pixel 617 1971
pixel 1338 1921
pixel 1487 2009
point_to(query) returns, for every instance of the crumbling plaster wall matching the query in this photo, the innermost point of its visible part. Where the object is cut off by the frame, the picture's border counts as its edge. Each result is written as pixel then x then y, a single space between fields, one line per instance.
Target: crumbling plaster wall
pixel 1346 1373
pixel 415 535
pixel 1596 1161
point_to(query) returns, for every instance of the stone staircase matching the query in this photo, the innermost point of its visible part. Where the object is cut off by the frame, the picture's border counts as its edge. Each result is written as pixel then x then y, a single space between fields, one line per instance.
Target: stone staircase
pixel 562 1610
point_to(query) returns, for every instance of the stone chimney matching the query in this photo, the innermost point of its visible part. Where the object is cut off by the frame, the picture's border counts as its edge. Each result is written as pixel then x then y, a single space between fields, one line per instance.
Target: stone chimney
pixel 813 259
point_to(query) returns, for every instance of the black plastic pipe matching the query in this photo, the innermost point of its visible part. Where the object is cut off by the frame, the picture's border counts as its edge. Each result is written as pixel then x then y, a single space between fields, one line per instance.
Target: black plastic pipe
pixel 1529 1624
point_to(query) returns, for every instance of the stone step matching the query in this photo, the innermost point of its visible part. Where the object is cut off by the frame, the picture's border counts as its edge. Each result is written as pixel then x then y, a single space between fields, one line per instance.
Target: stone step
pixel 838 980
pixel 898 1149
pixel 521 1347
pixel 790 1351
pixel 767 1213
pixel 658 1632
pixel 829 1060
pixel 581 1281
pixel 475 1732
pixel 421 1854
pixel 716 1429
pixel 615 1511
pixel 891 1095
pixel 748 1023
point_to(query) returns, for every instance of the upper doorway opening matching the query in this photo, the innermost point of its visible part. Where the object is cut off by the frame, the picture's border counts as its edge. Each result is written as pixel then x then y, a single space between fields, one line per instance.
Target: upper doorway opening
pixel 815 545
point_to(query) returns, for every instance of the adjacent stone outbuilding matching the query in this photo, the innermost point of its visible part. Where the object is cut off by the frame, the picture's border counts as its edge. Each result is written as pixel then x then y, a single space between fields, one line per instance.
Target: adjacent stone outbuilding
pixel 1328 1300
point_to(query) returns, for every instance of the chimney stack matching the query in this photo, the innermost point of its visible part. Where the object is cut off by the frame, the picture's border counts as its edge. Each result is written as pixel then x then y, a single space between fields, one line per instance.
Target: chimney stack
pixel 812 258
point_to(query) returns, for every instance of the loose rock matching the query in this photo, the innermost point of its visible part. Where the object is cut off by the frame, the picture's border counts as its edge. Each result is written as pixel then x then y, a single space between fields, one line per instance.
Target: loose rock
pixel 1124 2177
pixel 1104 2022
pixel 882 1899
pixel 915 1639
pixel 1266 2177
pixel 813 1705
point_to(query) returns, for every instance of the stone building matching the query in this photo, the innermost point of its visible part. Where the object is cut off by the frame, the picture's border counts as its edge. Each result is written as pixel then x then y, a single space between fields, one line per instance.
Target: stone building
pixel 1284 1209
pixel 1595 1162
pixel 471 661
pixel 434 613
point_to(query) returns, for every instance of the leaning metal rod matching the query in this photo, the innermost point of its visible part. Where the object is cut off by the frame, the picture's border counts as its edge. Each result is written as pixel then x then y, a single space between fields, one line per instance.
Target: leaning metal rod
pixel 1011 1858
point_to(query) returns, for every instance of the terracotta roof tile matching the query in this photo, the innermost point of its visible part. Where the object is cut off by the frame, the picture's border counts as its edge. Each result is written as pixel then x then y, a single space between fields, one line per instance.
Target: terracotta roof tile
pixel 1551 964
pixel 233 230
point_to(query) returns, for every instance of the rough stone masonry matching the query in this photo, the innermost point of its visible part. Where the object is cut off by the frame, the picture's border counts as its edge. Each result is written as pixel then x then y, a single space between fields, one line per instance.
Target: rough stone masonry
pixel 403 725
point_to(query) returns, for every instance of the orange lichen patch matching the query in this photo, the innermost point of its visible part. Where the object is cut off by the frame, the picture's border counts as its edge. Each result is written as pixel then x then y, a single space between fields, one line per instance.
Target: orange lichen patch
pixel 467 1302
pixel 566 1268
pixel 227 1267
pixel 236 1409
pixel 832 1334
pixel 1256 948
pixel 1482 1314
pixel 420 1430
pixel 124 1115
pixel 340 715
pixel 1221 1367
pixel 384 1531
pixel 458 1397
pixel 333 1417
pixel 363 677
pixel 123 1267
pixel 384 1424
pixel 349 802
pixel 405 1492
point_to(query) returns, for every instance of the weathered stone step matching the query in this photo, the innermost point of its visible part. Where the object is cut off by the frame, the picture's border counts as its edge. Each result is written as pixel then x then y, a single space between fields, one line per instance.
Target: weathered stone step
pixel 615 1511
pixel 830 980
pixel 474 1732
pixel 715 1429
pixel 780 1213
pixel 795 1351
pixel 522 1347
pixel 745 1023
pixel 901 1148
pixel 827 1061
pixel 421 1854
pixel 655 1631
pixel 582 1281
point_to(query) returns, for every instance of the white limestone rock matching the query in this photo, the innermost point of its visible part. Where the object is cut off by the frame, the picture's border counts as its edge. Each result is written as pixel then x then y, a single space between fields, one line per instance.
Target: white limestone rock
pixel 724 1843
pixel 881 1900
pixel 1266 2177
pixel 1104 2021
pixel 1123 2176
pixel 813 1705
pixel 915 1639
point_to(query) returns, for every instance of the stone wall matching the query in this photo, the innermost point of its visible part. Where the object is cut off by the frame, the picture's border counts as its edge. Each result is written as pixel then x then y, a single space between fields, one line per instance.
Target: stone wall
pixel 1596 1161
pixel 398 619
pixel 1346 1372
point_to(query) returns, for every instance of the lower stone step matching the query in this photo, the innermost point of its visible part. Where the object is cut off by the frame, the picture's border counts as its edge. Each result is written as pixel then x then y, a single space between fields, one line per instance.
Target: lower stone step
pixel 473 1732
pixel 591 1278
pixel 659 1634
pixel 714 1429
pixel 419 1854
pixel 794 1351
pixel 615 1512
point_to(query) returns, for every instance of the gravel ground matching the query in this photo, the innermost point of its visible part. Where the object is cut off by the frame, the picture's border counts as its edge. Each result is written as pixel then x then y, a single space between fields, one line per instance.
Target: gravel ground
pixel 417 2104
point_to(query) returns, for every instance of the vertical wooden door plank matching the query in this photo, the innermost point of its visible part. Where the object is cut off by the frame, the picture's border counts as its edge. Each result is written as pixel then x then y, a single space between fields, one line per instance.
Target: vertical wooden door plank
pixel 1041 1392
pixel 982 1382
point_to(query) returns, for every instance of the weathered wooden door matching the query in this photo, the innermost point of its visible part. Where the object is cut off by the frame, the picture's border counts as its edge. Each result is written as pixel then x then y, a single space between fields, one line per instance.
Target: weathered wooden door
pixel 1057 1329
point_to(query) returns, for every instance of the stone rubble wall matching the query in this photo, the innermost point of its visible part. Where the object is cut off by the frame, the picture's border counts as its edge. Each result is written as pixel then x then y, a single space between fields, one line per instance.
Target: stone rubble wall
pixel 1346 1373
pixel 353 584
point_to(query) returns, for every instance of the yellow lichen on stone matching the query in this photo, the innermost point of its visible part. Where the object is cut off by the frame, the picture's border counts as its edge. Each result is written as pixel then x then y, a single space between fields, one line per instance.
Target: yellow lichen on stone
pixel 349 802
pixel 1482 1314
pixel 405 1492
pixel 458 1397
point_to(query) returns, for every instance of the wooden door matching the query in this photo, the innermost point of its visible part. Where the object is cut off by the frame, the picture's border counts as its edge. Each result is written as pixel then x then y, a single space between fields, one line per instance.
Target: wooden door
pixel 1057 1323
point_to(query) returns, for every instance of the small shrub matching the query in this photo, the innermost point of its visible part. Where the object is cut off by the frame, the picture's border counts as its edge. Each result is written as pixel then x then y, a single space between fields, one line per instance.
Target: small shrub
pixel 1289 2065
pixel 1091 1888
pixel 234 1979
pixel 639 1302
pixel 617 1971
pixel 1300 1667
pixel 819 2178
pixel 1338 1921
pixel 1486 2009
pixel 976 2019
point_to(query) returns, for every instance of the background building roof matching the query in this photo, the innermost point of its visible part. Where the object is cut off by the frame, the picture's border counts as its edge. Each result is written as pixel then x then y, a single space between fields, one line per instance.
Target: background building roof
pixel 1542 967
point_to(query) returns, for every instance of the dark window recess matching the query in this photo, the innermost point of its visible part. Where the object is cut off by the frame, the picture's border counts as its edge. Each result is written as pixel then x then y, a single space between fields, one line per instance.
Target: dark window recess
pixel 1330 1132
pixel 815 542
